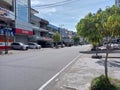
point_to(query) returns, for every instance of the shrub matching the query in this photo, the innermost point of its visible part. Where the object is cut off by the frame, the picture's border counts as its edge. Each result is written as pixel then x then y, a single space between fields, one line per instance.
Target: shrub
pixel 100 83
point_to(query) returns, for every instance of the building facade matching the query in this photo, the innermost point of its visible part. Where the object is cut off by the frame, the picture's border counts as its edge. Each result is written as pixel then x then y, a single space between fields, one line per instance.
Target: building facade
pixel 23 28
pixel 7 18
pixel 18 23
pixel 40 30
pixel 117 3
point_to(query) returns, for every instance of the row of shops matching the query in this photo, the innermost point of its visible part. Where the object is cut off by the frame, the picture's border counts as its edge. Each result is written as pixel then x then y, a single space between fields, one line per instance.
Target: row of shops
pixel 18 23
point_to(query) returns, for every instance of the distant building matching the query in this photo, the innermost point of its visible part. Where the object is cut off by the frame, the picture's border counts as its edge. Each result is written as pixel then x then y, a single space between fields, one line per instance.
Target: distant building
pixel 117 3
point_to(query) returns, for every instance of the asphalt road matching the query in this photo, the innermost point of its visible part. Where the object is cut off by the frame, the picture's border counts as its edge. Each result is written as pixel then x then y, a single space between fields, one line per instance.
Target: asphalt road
pixel 29 70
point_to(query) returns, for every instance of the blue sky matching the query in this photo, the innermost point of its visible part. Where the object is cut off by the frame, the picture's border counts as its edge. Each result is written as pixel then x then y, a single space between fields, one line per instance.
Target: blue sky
pixel 68 15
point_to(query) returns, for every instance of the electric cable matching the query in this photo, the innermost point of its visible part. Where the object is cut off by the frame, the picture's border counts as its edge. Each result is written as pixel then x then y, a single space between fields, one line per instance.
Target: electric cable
pixel 47 5
pixel 56 3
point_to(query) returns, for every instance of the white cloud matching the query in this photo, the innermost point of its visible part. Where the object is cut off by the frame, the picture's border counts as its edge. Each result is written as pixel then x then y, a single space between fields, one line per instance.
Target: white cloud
pixel 68 14
pixel 36 5
pixel 37 2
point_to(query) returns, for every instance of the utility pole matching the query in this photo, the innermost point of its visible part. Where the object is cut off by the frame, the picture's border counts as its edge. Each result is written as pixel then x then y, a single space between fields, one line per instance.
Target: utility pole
pixel 6 40
pixel 61 25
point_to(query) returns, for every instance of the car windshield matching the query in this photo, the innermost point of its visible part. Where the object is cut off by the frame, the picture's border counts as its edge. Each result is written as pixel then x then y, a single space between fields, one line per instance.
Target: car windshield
pixel 22 44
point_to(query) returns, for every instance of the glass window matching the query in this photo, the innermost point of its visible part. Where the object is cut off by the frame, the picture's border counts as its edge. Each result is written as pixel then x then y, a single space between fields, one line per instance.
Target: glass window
pixel 22 10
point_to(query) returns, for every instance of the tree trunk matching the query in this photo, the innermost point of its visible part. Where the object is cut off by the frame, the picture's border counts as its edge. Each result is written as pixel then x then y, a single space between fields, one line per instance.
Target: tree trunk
pixel 56 45
pixel 106 67
pixel 96 50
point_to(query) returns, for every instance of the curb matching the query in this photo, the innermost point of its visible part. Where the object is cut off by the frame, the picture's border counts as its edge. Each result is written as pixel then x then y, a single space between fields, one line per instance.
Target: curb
pixel 51 81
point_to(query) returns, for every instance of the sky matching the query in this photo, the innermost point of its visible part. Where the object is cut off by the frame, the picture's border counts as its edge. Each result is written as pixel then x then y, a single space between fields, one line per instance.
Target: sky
pixel 69 14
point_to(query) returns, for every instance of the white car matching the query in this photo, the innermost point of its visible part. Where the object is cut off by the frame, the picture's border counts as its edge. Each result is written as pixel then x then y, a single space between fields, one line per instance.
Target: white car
pixel 102 48
pixel 19 45
pixel 34 45
pixel 115 46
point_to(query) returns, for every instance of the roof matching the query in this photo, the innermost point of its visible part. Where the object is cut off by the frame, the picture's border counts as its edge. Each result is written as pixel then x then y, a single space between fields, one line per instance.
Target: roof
pixel 53 26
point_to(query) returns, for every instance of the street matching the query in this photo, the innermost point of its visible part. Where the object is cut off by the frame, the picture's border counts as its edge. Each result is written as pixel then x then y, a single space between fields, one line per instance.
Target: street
pixel 29 70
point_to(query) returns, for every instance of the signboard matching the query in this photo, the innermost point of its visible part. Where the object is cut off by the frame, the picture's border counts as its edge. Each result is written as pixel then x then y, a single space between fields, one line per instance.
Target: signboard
pixel 8 32
pixel 6 38
pixel 23 32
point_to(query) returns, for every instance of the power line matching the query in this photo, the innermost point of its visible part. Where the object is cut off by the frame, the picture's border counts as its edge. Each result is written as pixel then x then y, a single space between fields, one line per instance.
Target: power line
pixel 56 3
pixel 60 3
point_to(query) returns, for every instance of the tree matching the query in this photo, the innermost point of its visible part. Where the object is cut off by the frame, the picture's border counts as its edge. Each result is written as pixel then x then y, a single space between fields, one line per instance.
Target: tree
pixel 88 28
pixel 56 38
pixel 111 28
pixel 103 24
pixel 76 39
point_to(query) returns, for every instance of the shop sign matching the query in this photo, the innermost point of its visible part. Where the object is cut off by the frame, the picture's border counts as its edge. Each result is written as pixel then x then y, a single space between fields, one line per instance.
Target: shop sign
pixel 8 32
pixel 23 32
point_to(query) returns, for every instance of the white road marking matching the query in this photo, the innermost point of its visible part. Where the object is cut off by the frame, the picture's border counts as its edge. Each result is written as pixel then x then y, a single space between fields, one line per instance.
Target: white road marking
pixel 44 85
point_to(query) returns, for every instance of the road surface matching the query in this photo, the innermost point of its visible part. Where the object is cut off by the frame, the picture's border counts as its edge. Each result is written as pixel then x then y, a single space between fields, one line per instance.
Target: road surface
pixel 29 70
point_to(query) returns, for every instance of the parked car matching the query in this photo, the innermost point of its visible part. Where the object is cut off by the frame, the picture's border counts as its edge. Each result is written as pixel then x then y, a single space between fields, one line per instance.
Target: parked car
pixel 102 48
pixel 115 46
pixel 34 45
pixel 19 45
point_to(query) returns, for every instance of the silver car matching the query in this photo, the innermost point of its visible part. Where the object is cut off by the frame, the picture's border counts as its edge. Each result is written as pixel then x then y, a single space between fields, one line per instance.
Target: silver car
pixel 34 45
pixel 19 45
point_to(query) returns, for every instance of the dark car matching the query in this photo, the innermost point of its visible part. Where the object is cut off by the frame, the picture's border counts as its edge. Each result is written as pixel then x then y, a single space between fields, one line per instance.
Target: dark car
pixel 19 45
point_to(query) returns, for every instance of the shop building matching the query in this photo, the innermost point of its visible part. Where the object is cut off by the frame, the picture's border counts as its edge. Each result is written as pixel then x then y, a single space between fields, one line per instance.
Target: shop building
pixel 40 30
pixel 51 30
pixel 7 18
pixel 66 36
pixel 23 28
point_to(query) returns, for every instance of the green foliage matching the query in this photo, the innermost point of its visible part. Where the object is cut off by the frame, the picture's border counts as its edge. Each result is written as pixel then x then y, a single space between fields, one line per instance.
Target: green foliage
pixel 56 37
pixel 100 83
pixel 103 24
pixel 88 28
pixel 76 39
pixel 95 26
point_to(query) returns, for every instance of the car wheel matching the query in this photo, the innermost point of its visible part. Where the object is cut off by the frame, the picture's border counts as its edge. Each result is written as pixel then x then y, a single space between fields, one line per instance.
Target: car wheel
pixel 26 48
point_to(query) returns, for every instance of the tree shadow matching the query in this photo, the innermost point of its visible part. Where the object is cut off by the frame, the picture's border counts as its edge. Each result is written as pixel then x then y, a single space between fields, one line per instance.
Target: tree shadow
pixel 112 63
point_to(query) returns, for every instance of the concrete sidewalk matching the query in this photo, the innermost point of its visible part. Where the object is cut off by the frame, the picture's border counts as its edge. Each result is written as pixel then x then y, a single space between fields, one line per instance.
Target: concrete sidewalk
pixel 80 75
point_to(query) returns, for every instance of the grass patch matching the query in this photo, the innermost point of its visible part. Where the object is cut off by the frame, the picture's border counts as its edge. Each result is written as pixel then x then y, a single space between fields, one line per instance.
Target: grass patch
pixel 100 83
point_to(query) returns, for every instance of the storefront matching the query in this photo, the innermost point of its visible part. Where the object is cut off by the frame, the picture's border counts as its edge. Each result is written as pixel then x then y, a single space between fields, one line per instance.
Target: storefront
pixel 22 32
pixel 6 30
